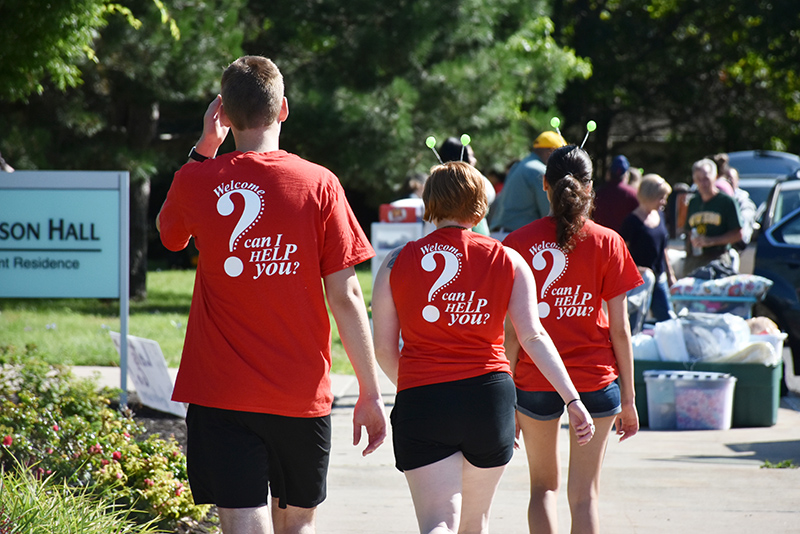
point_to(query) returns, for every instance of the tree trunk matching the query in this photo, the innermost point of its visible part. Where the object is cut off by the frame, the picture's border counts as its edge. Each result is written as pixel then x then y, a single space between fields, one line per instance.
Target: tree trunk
pixel 139 203
pixel 142 124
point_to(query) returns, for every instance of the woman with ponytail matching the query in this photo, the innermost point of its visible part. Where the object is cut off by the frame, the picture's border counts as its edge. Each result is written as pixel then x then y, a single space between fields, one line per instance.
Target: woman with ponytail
pixel 583 272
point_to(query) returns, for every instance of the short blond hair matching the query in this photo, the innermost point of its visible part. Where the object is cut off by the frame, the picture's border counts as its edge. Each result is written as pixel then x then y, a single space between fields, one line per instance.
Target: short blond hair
pixel 653 187
pixel 455 191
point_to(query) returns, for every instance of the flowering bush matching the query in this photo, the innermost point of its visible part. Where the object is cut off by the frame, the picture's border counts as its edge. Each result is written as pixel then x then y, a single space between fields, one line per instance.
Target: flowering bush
pixel 31 505
pixel 63 428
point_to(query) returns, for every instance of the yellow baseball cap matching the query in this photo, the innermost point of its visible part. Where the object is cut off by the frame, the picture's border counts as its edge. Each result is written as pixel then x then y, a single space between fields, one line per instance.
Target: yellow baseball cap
pixel 549 139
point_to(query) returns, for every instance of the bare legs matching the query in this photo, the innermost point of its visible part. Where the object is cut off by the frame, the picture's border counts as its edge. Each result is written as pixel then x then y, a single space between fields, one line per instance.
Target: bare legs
pixel 453 495
pixel 541 446
pixel 289 520
pixel 585 462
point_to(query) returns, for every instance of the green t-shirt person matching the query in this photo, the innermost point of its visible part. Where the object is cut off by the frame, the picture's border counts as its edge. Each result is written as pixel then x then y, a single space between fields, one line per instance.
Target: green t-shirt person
pixel 712 218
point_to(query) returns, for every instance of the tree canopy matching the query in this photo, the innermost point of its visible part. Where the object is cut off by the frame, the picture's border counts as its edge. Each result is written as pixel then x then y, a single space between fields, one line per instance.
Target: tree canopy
pixel 703 76
pixel 50 42
pixel 368 82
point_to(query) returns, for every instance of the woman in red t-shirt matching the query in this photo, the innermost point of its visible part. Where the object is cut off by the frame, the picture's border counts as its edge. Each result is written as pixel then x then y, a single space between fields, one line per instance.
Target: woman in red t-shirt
pixel 579 265
pixel 454 415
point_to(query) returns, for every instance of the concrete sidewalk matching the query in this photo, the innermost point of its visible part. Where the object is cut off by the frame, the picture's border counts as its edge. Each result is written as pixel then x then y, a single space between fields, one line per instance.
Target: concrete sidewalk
pixel 657 482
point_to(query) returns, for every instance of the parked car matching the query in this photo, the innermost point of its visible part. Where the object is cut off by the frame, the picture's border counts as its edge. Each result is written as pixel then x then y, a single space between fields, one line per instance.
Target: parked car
pixel 760 169
pixel 777 257
pixel 784 197
pixel 758 188
pixel 763 163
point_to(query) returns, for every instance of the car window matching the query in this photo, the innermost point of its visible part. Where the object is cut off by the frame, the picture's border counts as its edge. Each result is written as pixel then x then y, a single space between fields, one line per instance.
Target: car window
pixel 788 201
pixel 790 232
pixel 757 188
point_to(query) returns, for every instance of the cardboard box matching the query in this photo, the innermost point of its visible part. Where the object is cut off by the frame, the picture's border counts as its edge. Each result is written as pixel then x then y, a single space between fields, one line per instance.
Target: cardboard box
pixel 757 396
pixel 393 214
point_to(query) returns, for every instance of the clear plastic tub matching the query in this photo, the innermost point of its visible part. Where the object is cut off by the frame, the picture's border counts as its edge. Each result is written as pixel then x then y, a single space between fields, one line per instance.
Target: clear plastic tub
pixel 689 400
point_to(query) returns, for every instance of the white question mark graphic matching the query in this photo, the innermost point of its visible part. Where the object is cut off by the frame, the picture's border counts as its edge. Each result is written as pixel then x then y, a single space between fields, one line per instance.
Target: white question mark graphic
pixel 540 264
pixel 451 269
pixel 251 213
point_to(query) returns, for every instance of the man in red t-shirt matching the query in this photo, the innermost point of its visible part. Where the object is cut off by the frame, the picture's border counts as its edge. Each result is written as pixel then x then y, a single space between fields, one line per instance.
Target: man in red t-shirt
pixel 276 237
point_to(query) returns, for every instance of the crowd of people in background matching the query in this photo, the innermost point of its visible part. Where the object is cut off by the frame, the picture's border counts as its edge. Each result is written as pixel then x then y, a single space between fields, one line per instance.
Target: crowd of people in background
pixel 643 207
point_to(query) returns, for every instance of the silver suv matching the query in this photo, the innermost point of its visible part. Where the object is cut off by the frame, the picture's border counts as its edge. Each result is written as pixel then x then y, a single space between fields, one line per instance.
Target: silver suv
pixel 760 169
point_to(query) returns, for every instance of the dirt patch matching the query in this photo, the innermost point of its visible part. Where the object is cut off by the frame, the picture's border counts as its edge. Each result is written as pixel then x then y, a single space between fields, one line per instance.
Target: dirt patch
pixel 166 425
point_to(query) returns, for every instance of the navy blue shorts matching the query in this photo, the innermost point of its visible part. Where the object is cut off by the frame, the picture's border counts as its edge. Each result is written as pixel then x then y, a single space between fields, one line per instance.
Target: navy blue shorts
pixel 548 405
pixel 235 459
pixel 474 416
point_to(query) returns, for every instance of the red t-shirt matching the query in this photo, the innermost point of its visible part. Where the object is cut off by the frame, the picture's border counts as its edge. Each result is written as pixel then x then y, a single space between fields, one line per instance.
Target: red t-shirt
pixel 571 288
pixel 451 291
pixel 268 227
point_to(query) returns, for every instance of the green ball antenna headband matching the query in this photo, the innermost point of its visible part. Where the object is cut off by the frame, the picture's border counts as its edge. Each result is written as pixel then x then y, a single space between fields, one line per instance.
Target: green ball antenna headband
pixel 590 127
pixel 465 139
pixel 430 142
pixel 555 122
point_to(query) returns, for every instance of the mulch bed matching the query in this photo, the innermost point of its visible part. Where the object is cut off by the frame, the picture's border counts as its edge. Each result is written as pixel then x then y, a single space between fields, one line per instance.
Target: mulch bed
pixel 165 426
pixel 155 422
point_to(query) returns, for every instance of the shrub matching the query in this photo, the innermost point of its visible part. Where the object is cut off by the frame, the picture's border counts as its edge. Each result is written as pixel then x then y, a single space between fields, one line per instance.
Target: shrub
pixel 62 429
pixel 29 505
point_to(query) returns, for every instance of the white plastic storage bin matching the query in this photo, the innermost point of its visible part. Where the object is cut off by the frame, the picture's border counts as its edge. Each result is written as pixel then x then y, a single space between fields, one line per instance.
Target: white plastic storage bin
pixel 776 340
pixel 689 400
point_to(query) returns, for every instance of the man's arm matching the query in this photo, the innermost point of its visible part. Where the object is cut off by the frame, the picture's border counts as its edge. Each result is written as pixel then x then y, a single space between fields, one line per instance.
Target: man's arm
pixel 214 133
pixel 728 238
pixel 347 306
pixel 215 129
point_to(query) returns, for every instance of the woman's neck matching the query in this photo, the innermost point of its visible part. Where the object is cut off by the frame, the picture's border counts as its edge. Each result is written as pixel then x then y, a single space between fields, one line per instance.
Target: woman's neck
pixel 649 217
pixel 641 212
pixel 450 223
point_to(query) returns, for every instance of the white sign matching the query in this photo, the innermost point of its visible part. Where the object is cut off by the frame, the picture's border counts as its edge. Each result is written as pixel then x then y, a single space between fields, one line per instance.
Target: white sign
pixel 149 373
pixel 388 236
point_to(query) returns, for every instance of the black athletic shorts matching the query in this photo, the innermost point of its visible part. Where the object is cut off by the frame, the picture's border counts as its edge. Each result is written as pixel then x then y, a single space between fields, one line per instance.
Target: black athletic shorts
pixel 474 416
pixel 235 459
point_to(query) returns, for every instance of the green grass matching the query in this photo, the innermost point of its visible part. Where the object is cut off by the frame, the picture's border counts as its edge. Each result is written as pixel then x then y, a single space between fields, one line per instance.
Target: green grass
pixel 76 331
pixel 784 464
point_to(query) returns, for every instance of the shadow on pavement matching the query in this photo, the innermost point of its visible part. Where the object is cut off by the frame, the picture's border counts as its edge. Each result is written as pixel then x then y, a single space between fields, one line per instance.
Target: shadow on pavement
pixel 773 451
